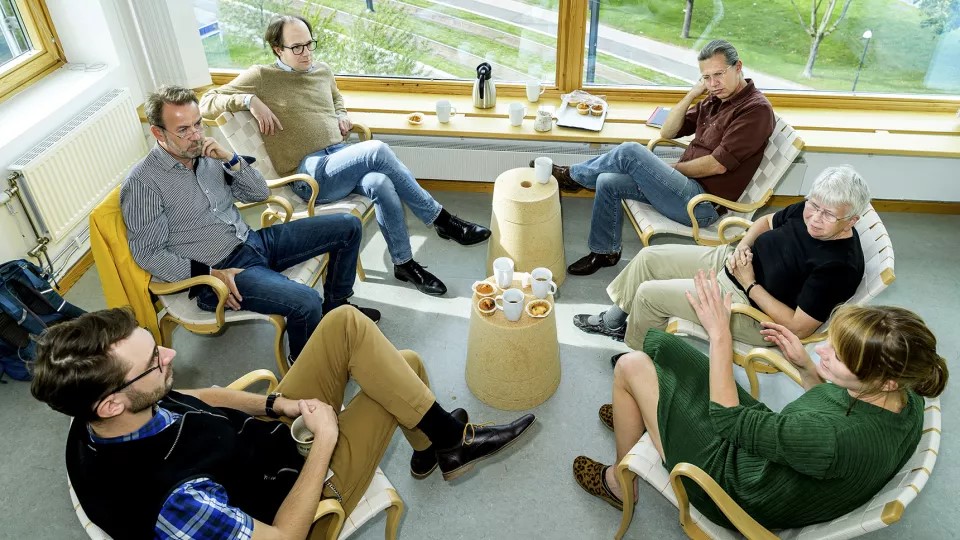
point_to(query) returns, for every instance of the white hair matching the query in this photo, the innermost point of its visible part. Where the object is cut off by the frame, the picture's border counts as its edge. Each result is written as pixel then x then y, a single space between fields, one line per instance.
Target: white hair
pixel 841 186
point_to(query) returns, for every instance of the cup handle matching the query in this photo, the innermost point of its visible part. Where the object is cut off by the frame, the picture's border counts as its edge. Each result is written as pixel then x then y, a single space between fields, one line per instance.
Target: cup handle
pixel 453 112
pixel 542 90
pixel 553 288
pixel 498 301
pixel 524 111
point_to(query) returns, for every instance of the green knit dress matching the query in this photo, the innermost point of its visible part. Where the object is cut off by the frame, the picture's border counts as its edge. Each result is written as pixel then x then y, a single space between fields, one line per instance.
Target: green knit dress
pixel 812 462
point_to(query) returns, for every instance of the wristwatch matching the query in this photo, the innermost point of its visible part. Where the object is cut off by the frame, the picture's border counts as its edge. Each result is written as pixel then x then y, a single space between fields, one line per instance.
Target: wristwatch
pixel 752 285
pixel 234 160
pixel 269 406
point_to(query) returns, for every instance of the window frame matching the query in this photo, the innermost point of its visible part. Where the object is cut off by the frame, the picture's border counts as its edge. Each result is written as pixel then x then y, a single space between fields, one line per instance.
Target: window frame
pixel 571 42
pixel 47 54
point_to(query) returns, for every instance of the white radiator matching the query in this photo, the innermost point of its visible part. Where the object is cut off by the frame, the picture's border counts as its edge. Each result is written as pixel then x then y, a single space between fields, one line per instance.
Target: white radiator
pixel 69 172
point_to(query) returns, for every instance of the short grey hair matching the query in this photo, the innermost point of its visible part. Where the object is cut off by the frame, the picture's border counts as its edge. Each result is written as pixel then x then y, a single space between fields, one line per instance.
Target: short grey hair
pixel 174 95
pixel 719 46
pixel 841 186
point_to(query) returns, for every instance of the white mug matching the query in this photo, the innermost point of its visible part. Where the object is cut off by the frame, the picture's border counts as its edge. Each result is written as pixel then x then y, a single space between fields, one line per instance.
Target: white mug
pixel 541 282
pixel 542 169
pixel 511 302
pixel 445 110
pixel 302 435
pixel 534 91
pixel 517 112
pixel 503 271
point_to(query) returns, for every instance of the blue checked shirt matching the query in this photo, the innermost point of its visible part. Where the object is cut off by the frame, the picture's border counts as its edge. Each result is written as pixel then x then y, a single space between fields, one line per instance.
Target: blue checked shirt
pixel 197 509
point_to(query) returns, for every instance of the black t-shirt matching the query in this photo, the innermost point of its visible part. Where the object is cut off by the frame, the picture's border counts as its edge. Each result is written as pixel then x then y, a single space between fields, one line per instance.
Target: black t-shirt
pixel 801 271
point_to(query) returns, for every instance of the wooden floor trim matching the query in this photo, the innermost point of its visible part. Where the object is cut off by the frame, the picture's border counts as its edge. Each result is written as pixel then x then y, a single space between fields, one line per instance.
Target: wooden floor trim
pixel 882 205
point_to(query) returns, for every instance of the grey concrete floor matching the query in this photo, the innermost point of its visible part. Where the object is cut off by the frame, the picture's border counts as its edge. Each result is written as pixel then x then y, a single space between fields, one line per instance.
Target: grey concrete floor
pixel 528 491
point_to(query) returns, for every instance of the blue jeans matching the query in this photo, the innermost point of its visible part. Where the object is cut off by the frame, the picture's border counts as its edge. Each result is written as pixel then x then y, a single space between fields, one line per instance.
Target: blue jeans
pixel 269 251
pixel 630 171
pixel 372 169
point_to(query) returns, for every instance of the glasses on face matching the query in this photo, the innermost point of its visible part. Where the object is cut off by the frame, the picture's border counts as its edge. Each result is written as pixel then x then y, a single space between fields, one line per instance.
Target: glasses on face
pixel 826 215
pixel 187 131
pixel 715 76
pixel 298 49
pixel 157 367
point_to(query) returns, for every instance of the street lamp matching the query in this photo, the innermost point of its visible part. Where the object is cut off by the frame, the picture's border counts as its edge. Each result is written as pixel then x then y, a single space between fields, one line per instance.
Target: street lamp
pixel 866 36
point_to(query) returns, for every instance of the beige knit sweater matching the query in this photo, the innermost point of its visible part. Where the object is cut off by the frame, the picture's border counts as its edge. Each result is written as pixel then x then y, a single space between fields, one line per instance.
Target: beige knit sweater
pixel 308 105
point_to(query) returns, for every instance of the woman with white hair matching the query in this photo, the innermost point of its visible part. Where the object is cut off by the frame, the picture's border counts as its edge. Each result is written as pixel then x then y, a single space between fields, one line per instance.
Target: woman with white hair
pixel 795 265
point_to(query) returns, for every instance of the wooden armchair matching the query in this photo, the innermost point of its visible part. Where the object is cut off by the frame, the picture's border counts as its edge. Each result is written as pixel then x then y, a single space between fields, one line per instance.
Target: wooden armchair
pixel 380 494
pixel 161 306
pixel 877 275
pixel 242 133
pixel 885 508
pixel 784 146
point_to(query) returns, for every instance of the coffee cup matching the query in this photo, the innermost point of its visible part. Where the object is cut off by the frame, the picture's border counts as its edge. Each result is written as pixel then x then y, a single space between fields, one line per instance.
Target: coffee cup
pixel 484 288
pixel 542 169
pixel 534 91
pixel 503 271
pixel 517 112
pixel 511 303
pixel 486 305
pixel 541 282
pixel 445 110
pixel 302 436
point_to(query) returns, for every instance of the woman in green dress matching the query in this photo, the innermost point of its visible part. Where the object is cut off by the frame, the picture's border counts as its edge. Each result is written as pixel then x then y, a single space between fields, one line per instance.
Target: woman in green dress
pixel 825 454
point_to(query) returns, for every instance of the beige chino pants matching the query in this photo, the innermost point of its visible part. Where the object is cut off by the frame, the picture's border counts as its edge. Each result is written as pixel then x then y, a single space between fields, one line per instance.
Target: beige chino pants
pixel 652 289
pixel 394 391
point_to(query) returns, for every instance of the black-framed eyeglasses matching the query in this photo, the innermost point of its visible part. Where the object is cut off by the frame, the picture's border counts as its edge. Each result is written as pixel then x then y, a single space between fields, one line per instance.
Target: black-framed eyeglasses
pixel 298 49
pixel 186 131
pixel 157 367
pixel 826 215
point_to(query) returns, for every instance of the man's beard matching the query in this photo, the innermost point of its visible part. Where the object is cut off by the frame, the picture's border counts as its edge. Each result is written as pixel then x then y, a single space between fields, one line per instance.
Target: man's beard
pixel 141 401
pixel 191 152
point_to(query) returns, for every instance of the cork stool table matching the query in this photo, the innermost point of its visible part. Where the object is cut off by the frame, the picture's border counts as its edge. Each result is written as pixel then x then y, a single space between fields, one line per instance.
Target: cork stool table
pixel 512 365
pixel 525 224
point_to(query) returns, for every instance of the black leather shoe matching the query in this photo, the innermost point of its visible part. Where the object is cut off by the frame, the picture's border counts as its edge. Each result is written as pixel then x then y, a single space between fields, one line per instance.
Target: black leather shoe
pixel 582 321
pixel 593 262
pixel 562 174
pixel 480 442
pixel 462 232
pixel 423 463
pixel 373 314
pixel 425 282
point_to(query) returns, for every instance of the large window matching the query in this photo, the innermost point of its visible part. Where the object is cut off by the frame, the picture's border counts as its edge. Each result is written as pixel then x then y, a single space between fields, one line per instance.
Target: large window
pixel 28 48
pixel 440 40
pixel 878 46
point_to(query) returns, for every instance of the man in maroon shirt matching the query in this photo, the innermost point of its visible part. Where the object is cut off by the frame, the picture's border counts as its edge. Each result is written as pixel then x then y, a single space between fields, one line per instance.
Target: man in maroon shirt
pixel 732 125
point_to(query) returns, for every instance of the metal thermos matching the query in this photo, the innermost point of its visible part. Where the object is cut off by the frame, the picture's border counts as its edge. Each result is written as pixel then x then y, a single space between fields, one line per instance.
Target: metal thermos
pixel 484 91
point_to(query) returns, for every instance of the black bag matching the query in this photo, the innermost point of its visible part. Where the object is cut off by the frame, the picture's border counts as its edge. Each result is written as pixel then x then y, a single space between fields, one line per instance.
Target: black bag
pixel 28 305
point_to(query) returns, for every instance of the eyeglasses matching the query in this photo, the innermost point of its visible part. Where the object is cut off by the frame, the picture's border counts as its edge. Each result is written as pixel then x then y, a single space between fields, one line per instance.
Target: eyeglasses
pixel 826 215
pixel 718 75
pixel 186 131
pixel 298 49
pixel 158 367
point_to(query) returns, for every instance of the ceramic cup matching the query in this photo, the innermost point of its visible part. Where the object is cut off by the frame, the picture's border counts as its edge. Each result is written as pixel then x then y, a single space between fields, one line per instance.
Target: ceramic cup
pixel 517 112
pixel 302 435
pixel 541 282
pixel 445 110
pixel 503 271
pixel 542 169
pixel 534 91
pixel 511 302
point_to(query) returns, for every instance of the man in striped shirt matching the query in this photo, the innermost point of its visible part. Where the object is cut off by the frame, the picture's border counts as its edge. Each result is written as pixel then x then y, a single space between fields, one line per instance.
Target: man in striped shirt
pixel 178 206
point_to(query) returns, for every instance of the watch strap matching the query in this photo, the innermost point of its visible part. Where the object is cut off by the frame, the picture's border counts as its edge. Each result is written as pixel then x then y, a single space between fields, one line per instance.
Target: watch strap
pixel 268 408
pixel 752 285
pixel 234 160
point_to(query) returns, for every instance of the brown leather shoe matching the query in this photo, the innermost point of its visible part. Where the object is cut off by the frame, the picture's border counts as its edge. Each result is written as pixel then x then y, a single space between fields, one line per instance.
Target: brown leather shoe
pixel 566 182
pixel 589 475
pixel 606 415
pixel 593 262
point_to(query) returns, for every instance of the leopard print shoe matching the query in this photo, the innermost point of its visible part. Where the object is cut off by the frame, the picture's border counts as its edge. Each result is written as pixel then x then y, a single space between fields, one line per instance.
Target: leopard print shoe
pixel 606 415
pixel 590 475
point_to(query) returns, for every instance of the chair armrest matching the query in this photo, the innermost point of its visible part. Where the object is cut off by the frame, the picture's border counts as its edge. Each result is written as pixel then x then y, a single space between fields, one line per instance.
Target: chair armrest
pixel 331 507
pixel 275 199
pixel 750 311
pixel 740 519
pixel 663 140
pixel 735 206
pixel 160 289
pixel 775 360
pixel 732 221
pixel 311 181
pixel 254 377
pixel 362 131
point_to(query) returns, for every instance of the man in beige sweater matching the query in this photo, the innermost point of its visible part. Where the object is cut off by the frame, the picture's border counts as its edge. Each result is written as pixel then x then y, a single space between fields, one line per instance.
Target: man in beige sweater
pixel 303 119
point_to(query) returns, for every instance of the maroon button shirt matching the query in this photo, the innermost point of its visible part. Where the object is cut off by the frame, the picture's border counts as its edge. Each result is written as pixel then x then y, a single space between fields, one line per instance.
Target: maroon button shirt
pixel 735 132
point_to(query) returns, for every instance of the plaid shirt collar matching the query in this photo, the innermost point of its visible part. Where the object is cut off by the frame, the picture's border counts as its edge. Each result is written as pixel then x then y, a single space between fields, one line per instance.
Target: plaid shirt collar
pixel 161 420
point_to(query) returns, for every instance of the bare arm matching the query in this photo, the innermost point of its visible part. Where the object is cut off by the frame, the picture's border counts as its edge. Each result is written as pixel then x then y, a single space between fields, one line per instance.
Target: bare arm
pixel 758 227
pixel 700 167
pixel 673 123
pixel 713 311
pixel 789 344
pixel 795 320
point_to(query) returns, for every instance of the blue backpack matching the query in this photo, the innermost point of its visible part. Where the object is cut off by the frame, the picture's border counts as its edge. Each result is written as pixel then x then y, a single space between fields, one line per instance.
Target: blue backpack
pixel 28 305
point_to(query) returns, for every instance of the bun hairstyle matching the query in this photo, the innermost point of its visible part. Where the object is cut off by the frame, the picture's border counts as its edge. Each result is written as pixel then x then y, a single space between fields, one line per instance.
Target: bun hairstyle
pixel 886 343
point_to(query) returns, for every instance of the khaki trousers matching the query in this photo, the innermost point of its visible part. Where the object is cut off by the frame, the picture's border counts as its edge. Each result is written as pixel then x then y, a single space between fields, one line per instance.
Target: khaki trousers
pixel 394 390
pixel 652 289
